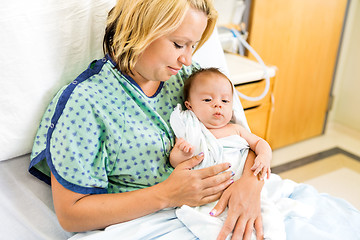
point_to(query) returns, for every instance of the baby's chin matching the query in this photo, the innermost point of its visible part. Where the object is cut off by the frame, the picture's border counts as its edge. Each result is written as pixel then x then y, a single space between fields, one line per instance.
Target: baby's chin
pixel 215 126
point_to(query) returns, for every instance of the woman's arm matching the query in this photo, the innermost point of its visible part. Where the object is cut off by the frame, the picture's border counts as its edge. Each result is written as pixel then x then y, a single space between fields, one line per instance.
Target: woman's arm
pixel 78 212
pixel 243 200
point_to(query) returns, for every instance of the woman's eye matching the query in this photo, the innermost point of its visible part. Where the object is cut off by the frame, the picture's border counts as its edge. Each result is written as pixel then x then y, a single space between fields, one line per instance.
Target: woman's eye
pixel 178 46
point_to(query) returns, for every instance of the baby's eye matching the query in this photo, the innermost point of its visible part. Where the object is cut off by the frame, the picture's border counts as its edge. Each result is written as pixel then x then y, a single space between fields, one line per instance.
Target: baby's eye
pixel 207 100
pixel 178 46
pixel 225 101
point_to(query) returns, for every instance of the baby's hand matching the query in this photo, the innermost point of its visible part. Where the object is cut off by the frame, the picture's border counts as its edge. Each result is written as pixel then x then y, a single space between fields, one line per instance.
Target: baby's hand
pixel 185 147
pixel 261 167
pixel 181 151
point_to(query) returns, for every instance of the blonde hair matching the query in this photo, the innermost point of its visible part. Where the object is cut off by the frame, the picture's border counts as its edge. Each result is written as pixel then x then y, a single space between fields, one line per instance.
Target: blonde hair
pixel 134 24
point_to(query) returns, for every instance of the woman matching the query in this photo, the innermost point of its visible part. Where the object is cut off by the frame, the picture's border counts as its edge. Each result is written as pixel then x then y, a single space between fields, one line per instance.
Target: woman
pixel 105 138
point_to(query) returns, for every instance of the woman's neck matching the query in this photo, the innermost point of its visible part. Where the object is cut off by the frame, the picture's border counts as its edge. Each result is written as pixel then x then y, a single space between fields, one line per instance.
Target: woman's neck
pixel 149 88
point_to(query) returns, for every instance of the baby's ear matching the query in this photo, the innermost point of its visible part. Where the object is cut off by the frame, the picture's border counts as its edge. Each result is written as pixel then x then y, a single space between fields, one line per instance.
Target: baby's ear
pixel 187 104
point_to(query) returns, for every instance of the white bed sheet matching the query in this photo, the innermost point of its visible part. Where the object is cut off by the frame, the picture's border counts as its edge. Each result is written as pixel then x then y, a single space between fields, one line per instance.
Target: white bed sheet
pixel 26 208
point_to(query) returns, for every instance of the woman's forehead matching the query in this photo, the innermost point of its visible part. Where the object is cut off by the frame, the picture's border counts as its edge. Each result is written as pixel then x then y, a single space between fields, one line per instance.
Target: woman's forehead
pixel 192 26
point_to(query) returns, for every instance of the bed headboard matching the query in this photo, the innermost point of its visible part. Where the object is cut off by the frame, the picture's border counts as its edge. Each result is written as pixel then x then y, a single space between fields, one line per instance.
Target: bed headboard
pixel 45 45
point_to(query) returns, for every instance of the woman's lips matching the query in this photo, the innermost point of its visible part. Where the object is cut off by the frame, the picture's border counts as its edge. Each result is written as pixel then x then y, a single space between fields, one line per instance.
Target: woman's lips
pixel 174 71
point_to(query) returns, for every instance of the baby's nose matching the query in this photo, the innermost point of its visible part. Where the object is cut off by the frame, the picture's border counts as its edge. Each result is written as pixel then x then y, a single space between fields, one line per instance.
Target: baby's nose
pixel 217 105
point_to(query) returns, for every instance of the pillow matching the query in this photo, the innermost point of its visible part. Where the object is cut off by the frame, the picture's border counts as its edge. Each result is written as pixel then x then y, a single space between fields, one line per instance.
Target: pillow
pixel 211 54
pixel 45 45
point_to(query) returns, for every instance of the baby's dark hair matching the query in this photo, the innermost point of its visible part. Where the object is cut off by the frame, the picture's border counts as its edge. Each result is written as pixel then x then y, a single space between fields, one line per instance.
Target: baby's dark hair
pixel 192 77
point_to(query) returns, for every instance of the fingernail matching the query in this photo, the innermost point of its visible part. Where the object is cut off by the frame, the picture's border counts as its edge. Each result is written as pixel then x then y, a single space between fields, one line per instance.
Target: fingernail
pixel 229 165
pixel 200 155
pixel 213 212
pixel 231 181
pixel 232 173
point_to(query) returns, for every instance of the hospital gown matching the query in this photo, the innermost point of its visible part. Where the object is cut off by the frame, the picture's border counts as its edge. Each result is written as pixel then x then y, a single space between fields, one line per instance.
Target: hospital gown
pixel 102 134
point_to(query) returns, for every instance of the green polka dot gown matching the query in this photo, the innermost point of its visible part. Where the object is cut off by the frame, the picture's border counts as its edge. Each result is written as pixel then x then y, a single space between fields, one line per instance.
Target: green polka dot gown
pixel 102 134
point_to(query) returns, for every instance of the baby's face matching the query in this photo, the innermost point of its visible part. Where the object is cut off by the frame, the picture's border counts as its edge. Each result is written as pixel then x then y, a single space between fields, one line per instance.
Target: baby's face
pixel 211 99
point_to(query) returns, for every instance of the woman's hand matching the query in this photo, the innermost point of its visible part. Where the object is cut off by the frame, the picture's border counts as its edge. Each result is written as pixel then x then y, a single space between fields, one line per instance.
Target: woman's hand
pixel 195 187
pixel 243 200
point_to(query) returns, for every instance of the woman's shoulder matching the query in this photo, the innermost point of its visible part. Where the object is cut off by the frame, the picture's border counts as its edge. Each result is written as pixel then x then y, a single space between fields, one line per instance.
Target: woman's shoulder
pixel 85 92
pixel 98 80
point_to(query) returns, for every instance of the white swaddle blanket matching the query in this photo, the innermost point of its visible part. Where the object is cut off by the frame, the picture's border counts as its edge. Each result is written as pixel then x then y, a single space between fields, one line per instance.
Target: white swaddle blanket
pixel 232 149
pixel 186 125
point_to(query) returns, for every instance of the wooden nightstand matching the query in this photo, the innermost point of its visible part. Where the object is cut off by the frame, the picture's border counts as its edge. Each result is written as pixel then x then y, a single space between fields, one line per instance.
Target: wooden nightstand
pixel 248 78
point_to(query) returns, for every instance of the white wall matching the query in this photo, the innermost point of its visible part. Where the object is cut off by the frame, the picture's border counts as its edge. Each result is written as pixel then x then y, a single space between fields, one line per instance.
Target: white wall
pixel 346 108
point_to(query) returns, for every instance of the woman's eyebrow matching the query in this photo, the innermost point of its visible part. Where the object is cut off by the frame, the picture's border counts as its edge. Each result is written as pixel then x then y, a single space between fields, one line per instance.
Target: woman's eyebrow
pixel 185 39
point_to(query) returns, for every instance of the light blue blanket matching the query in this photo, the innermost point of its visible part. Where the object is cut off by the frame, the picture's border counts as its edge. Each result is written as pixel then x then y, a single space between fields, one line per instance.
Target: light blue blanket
pixel 332 219
pixel 308 215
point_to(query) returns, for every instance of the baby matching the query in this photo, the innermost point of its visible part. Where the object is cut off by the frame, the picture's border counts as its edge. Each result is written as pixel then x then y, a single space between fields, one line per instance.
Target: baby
pixel 208 93
pixel 206 128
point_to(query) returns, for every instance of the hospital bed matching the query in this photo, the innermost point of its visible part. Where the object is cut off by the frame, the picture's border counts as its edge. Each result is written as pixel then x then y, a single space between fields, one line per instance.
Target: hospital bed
pixel 45 45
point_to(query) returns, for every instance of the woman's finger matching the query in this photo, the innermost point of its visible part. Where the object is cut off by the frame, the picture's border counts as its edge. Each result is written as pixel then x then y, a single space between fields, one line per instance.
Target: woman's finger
pixel 220 205
pixel 214 181
pixel 229 226
pixel 259 228
pixel 214 193
pixel 248 230
pixel 213 170
pixel 211 198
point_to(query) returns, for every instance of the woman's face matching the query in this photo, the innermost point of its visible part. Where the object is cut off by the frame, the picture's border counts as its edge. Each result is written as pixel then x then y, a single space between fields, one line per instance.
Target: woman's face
pixel 165 56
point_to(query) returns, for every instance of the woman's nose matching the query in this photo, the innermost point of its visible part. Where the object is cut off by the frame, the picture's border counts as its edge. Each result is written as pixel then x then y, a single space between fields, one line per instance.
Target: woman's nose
pixel 185 58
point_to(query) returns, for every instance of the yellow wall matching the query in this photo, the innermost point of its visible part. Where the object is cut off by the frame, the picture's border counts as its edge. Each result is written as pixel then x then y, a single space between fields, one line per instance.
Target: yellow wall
pixel 346 108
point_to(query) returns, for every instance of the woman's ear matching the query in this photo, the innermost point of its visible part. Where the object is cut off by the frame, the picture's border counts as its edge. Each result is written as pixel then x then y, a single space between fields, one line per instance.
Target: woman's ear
pixel 187 104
